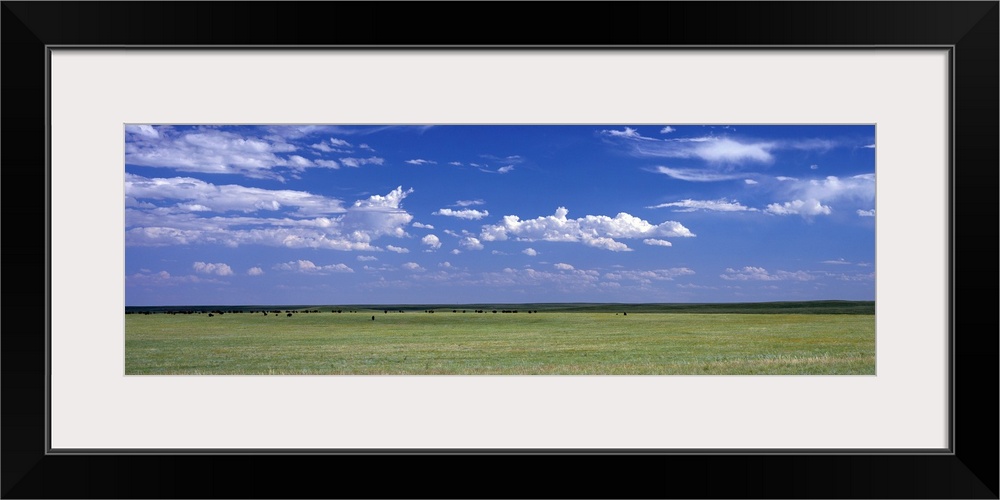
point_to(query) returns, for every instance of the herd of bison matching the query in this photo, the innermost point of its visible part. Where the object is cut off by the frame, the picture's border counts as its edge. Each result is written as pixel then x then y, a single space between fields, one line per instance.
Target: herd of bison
pixel 289 313
pixel 276 312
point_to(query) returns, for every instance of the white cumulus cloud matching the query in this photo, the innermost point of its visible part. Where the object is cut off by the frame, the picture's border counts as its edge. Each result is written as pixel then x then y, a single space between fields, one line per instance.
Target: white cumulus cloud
pixel 800 207
pixel 307 226
pixel 219 269
pixel 412 266
pixel 432 241
pixel 470 243
pixel 597 231
pixel 563 266
pixel 529 251
pixel 396 249
pixel 255 271
pixel 144 130
pixel 210 151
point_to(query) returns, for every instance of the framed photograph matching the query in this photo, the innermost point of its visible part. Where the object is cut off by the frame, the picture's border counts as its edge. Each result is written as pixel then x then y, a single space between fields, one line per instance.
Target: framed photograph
pixel 216 204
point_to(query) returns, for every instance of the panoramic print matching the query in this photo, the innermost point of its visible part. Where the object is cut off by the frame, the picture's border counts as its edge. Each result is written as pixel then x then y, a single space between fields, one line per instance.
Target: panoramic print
pixel 597 249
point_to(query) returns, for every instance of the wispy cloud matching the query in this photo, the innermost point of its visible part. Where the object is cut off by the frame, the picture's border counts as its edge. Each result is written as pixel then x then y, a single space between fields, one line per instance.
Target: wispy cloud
pixel 719 150
pixel 627 133
pixel 509 159
pixel 649 276
pixel 326 148
pixel 308 267
pixel 469 214
pixel 698 175
pixel 421 161
pixel 749 273
pixel 656 242
pixel 196 195
pixel 714 150
pixel 357 162
pixel 164 278
pixel 839 261
pixel 811 197
pixel 561 280
pixel 720 205
pixel 327 164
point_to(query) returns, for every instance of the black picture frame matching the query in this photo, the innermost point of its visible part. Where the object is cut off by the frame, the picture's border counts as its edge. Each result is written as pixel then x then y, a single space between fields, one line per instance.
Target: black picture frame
pixel 969 470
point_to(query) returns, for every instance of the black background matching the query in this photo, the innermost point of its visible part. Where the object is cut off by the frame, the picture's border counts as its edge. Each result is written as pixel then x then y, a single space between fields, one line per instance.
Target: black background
pixel 971 472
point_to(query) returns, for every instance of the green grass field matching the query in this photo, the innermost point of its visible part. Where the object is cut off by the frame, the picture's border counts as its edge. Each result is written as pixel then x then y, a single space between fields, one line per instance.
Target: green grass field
pixel 831 339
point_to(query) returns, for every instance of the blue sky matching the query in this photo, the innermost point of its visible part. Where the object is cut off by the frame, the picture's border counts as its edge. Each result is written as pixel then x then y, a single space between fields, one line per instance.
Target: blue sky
pixel 318 214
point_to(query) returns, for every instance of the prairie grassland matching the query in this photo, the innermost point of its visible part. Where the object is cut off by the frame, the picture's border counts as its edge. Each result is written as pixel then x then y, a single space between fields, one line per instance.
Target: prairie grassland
pixel 544 343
